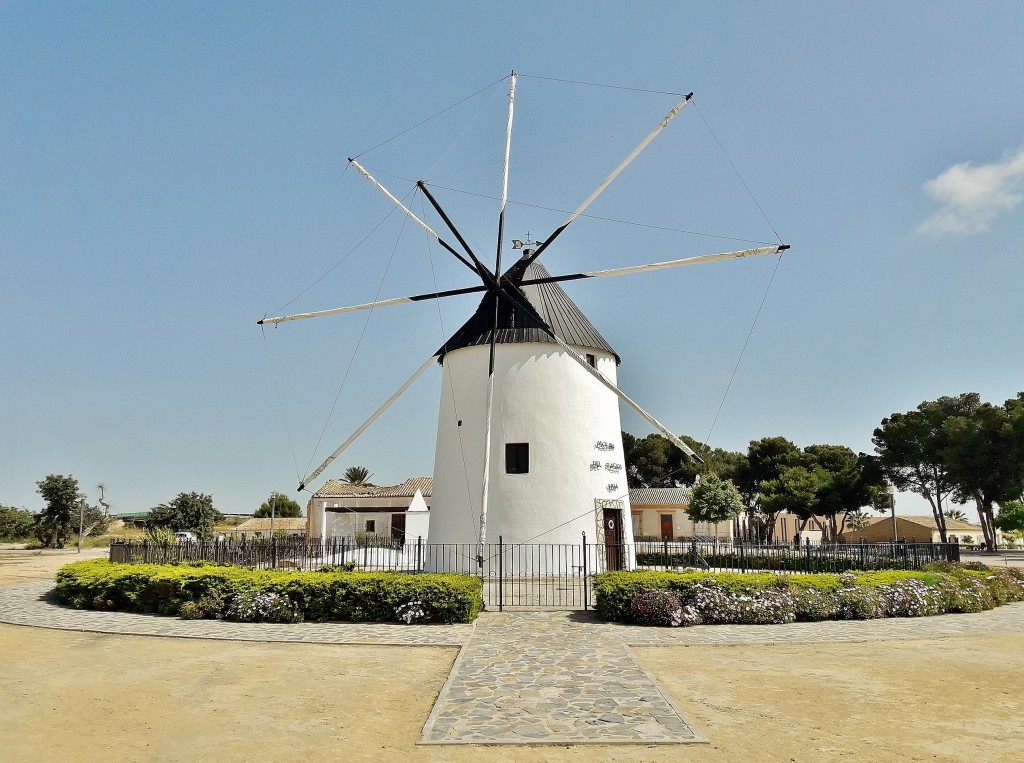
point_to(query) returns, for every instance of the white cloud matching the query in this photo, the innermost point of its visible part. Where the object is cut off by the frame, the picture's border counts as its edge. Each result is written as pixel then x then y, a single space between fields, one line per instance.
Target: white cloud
pixel 972 197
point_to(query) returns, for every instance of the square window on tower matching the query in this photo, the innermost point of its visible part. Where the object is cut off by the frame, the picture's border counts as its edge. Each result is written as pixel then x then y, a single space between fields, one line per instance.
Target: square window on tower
pixel 591 360
pixel 517 458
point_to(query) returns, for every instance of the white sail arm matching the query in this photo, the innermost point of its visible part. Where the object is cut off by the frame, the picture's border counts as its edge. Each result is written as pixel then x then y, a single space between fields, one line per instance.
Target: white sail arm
pixel 627 399
pixel 337 310
pixel 485 488
pixel 686 261
pixel 394 200
pixel 611 178
pixel 366 424
pixel 628 160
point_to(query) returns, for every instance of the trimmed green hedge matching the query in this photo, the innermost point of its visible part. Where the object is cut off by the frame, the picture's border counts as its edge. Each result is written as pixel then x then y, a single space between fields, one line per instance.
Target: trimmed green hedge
pixel 754 598
pixel 210 590
pixel 726 561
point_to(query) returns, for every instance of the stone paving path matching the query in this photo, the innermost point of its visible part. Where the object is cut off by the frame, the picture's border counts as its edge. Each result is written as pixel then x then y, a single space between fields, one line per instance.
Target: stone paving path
pixel 549 677
pixel 30 604
pixel 540 677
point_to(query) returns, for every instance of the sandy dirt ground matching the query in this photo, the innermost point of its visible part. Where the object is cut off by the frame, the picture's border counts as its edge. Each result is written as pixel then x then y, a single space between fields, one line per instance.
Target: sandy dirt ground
pixel 84 697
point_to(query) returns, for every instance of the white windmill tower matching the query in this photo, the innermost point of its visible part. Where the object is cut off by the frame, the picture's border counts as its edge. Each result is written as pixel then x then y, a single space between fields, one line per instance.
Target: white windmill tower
pixel 529 444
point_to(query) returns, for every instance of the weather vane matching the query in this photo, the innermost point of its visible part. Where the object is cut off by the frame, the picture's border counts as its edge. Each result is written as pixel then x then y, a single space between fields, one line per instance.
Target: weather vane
pixel 517 244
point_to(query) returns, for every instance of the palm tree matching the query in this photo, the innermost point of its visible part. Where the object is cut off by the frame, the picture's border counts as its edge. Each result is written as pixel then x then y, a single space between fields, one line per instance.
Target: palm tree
pixel 956 514
pixel 857 520
pixel 357 475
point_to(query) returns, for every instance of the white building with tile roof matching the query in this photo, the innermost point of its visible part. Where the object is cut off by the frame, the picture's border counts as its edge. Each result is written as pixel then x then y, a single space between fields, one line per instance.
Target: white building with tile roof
pixel 341 510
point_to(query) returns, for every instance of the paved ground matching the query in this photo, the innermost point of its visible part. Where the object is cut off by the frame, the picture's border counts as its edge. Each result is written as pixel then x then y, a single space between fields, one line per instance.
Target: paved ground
pixel 524 678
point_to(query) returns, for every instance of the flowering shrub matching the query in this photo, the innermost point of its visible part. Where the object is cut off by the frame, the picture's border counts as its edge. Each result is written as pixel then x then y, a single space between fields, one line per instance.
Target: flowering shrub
pixel 411 612
pixel 259 606
pixel 208 607
pixel 761 598
pixel 911 598
pixel 327 595
pixel 773 605
pixel 657 607
pixel 856 602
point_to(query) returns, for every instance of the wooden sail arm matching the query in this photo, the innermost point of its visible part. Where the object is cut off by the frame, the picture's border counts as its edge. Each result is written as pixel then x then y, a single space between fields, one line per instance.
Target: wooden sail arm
pixel 479 267
pixel 394 200
pixel 366 424
pixel 608 180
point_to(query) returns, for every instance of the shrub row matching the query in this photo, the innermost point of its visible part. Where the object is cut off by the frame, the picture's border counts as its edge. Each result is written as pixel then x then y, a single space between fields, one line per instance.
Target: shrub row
pixel 693 597
pixel 220 591
pixel 786 562
pixel 763 562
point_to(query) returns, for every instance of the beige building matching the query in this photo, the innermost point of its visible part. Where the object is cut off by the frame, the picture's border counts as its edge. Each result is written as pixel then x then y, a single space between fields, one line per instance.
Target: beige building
pixel 919 529
pixel 260 528
pixel 659 513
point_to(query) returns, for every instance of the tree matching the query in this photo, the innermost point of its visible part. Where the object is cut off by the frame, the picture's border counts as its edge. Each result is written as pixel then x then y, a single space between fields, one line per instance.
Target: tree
pixel 282 506
pixel 649 461
pixel 984 455
pixel 910 448
pixel 714 500
pixel 857 520
pixel 357 475
pixel 64 501
pixel 766 459
pixel 847 484
pixel 957 514
pixel 1011 517
pixel 653 461
pixel 191 512
pixel 795 490
pixel 16 524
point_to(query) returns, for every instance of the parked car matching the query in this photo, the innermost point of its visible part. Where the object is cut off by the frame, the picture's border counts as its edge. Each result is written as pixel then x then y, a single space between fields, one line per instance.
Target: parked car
pixel 185 537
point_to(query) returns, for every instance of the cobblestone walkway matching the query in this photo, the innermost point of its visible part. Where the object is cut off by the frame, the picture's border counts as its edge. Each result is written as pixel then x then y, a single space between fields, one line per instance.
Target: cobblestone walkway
pixel 543 677
pixel 30 604
pixel 550 677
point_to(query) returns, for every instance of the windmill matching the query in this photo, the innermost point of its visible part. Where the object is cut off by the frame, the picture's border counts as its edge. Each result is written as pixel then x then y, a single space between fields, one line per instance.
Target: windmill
pixel 529 444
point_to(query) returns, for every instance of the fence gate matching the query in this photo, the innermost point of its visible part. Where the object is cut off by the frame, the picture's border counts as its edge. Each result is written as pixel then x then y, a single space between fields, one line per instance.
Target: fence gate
pixel 537 576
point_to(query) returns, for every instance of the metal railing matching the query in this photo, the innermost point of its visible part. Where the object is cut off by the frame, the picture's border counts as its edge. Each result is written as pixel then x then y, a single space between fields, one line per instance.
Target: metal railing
pixel 537 575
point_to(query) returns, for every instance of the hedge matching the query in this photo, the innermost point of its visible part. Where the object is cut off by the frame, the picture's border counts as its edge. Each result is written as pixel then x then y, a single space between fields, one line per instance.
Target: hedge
pixel 221 591
pixel 733 561
pixel 696 597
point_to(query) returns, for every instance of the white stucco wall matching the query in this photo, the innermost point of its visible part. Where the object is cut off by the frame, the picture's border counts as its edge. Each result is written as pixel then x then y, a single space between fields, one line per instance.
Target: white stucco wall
pixel 541 397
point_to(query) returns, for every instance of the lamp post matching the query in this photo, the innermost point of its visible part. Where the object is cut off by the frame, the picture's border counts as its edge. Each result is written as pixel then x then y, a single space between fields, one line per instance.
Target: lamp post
pixel 81 522
pixel 892 508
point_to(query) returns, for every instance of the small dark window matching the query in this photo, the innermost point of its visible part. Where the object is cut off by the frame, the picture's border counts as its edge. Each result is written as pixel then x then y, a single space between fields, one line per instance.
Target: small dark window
pixel 371 525
pixel 517 458
pixel 591 361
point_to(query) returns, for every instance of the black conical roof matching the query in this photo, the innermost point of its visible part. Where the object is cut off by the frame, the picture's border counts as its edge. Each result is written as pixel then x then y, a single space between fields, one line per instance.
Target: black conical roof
pixel 527 314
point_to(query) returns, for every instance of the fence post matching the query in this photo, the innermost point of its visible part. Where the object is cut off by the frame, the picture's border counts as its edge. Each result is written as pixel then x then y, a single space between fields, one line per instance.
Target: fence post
pixel 501 574
pixel 586 573
pixel 664 544
pixel 419 553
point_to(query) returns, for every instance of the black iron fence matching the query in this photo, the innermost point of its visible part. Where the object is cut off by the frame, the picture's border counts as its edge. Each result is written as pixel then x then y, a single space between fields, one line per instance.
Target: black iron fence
pixel 548 575
pixel 786 558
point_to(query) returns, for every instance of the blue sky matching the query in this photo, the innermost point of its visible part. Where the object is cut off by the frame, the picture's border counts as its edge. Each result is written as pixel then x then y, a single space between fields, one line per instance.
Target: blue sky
pixel 171 173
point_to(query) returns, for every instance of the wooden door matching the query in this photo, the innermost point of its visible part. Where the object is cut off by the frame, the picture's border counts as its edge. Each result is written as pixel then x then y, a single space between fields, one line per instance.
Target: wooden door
pixel 666 527
pixel 612 524
pixel 398 527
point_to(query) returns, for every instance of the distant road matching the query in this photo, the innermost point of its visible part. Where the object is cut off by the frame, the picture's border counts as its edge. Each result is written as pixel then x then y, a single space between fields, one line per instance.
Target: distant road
pixel 1001 558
